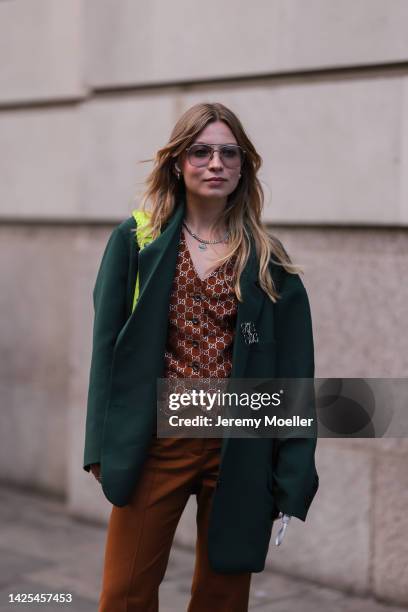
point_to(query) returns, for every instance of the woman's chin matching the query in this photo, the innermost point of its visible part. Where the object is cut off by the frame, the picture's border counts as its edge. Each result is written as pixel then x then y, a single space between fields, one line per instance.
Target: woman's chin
pixel 210 192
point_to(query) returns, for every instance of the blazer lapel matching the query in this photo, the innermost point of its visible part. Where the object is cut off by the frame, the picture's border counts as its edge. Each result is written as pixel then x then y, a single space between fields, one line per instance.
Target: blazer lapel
pixel 248 310
pixel 157 260
pixel 156 267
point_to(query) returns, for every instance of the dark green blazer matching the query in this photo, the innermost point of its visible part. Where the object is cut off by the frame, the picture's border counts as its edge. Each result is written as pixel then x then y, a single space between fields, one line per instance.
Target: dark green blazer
pixel 257 477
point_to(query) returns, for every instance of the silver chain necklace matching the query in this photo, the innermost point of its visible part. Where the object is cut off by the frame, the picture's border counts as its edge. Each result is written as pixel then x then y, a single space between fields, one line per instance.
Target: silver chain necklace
pixel 203 243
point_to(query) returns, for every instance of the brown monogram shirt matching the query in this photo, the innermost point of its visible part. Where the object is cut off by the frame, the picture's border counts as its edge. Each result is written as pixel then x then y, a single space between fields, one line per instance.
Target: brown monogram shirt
pixel 202 316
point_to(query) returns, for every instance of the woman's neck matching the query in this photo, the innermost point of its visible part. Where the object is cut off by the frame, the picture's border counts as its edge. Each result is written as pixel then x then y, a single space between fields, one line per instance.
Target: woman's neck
pixel 200 217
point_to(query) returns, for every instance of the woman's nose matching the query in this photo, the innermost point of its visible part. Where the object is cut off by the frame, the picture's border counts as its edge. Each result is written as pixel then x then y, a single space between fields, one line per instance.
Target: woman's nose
pixel 215 159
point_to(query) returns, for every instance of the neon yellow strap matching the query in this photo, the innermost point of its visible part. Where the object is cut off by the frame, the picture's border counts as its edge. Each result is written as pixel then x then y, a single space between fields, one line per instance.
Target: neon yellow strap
pixel 141 217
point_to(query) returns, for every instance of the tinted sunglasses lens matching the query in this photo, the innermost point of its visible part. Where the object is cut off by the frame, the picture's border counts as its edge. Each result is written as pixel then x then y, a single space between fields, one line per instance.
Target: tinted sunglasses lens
pixel 231 156
pixel 199 155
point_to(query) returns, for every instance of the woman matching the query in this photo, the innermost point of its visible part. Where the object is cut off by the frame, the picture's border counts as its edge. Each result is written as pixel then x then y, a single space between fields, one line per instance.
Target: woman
pixel 218 298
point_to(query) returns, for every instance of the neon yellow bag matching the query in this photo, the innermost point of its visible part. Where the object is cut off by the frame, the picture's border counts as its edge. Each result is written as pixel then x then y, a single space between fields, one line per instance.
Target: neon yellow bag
pixel 141 217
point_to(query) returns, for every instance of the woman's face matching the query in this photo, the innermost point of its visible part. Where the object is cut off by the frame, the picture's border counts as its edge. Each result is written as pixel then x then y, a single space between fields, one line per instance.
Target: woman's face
pixel 196 179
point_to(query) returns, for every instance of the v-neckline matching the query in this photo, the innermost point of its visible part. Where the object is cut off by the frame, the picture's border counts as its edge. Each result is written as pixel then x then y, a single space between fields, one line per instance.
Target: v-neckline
pixel 203 280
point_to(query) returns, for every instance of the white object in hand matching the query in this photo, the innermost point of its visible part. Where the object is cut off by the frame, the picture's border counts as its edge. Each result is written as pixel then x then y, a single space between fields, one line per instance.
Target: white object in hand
pixel 285 521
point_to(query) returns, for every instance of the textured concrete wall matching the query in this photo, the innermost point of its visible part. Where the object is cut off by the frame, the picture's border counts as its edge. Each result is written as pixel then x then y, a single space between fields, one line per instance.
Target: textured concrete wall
pixel 334 151
pixel 159 42
pixel 92 88
pixel 35 304
pixel 41 50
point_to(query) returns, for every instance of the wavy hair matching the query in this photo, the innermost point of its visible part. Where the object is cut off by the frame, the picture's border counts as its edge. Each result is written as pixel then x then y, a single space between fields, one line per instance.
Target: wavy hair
pixel 242 213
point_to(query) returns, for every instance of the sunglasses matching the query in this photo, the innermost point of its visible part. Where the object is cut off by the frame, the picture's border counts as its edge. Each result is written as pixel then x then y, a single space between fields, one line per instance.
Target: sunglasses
pixel 231 155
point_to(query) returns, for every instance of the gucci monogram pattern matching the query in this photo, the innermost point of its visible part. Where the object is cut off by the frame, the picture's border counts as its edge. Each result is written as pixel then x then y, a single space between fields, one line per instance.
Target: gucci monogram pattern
pixel 202 317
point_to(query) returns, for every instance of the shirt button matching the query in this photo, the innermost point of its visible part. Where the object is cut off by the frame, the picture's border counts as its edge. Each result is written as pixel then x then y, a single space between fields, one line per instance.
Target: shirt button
pixel 195 365
pixel 197 297
pixel 194 320
pixel 195 343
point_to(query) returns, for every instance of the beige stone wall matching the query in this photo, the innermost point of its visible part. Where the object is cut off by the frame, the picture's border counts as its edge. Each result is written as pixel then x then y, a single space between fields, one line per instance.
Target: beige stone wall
pixel 92 88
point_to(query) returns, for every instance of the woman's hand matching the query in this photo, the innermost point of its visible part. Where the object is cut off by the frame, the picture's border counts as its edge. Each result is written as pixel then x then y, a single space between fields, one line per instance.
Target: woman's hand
pixel 96 471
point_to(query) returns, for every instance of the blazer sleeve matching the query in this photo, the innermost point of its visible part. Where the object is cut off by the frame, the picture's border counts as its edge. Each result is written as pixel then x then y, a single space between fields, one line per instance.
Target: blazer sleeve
pixel 295 477
pixel 109 301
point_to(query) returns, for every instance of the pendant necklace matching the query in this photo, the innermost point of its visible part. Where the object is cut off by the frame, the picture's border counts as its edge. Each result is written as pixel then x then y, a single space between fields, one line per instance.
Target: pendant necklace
pixel 203 243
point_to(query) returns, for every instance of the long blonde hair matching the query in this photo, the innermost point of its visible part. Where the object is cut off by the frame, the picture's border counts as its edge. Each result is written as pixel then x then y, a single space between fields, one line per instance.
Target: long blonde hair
pixel 242 213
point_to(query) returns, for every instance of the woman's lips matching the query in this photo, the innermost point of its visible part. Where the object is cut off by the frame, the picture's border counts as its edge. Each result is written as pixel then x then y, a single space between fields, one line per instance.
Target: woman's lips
pixel 215 181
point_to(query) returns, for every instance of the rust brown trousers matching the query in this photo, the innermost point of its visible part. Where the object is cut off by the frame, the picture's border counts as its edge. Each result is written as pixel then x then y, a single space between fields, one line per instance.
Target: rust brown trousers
pixel 140 534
